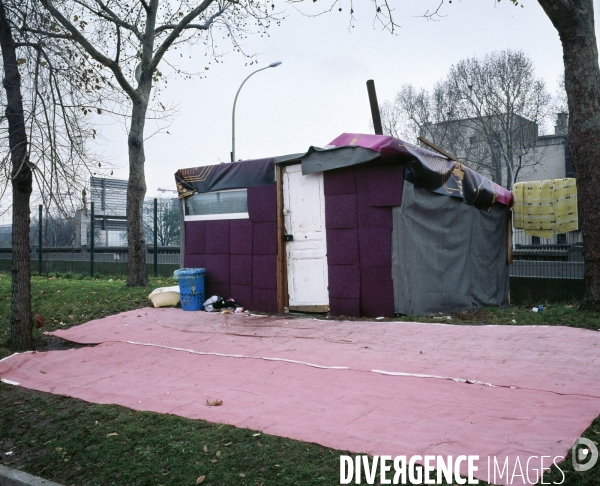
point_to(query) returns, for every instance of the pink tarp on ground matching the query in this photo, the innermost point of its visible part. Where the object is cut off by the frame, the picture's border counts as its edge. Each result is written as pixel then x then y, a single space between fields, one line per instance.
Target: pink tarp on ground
pixel 346 385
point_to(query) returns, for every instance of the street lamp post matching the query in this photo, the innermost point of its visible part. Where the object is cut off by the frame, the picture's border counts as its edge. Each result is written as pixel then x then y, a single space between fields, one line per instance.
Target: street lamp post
pixel 272 65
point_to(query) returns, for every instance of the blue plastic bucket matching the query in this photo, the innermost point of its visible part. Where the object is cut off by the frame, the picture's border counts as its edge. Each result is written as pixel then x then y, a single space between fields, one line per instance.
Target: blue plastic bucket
pixel 191 288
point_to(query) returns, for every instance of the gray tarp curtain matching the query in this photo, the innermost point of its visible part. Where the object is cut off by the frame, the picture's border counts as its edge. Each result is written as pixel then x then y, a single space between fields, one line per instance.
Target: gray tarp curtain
pixel 446 255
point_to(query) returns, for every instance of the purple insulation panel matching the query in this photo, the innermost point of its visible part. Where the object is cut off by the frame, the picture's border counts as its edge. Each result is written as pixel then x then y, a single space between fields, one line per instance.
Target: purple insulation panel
pixel 264 300
pixel 262 203
pixel 194 261
pixel 240 255
pixel 342 247
pixel 340 211
pixel 375 246
pixel 372 216
pixel 217 237
pixel 240 269
pixel 338 182
pixel 362 176
pixel 242 294
pixel 217 268
pixel 385 185
pixel 240 237
pixel 344 307
pixel 220 289
pixel 360 260
pixel 344 281
pixel 264 238
pixel 195 237
pixel 264 272
pixel 376 291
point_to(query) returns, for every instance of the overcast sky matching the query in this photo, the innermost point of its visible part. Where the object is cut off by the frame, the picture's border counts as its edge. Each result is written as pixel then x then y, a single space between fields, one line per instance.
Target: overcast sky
pixel 319 91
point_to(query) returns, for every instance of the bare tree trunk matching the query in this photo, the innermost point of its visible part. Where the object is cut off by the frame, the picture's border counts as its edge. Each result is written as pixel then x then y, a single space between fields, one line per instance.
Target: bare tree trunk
pixel 574 21
pixel 137 271
pixel 21 324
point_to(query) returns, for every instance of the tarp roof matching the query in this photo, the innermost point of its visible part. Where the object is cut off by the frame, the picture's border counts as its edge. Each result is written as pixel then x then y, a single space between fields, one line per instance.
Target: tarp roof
pixel 423 168
pixel 220 177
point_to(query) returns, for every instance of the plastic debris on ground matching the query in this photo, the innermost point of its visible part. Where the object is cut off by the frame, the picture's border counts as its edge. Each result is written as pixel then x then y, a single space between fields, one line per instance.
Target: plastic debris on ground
pixel 165 296
pixel 217 303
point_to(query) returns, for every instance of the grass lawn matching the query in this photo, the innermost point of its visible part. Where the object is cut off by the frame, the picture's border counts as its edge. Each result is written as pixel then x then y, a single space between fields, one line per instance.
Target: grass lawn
pixel 565 314
pixel 69 300
pixel 78 443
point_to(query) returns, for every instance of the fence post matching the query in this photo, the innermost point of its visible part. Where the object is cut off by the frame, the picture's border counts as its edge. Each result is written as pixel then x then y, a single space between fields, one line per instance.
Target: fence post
pixel 92 239
pixel 155 237
pixel 40 240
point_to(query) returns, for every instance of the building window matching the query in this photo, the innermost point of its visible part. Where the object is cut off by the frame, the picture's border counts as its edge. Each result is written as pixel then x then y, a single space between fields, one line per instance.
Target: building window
pixel 535 240
pixel 561 239
pixel 217 205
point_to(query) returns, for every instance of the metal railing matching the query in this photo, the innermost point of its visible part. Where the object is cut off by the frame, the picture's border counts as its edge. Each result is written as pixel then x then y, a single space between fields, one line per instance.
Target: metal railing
pixel 87 251
pixel 547 270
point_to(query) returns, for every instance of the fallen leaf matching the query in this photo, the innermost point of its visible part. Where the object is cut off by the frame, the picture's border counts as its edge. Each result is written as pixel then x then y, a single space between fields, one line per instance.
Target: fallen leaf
pixel 42 371
pixel 242 475
pixel 216 403
pixel 58 449
pixel 213 461
pixel 218 454
pixel 472 421
pixel 255 435
pixel 67 459
pixel 112 434
pixel 93 293
pixel 39 319
pixel 229 443
pixel 200 479
pixel 205 448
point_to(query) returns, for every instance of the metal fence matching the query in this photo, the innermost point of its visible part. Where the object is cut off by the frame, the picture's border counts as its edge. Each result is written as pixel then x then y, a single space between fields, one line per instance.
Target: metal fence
pixel 546 270
pixel 102 261
pixel 96 244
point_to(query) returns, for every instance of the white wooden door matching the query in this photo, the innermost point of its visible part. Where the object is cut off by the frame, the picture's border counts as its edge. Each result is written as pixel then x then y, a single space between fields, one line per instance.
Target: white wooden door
pixel 306 253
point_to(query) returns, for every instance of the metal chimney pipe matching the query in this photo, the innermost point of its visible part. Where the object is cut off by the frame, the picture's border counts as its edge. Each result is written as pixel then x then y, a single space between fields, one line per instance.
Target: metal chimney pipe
pixel 374 107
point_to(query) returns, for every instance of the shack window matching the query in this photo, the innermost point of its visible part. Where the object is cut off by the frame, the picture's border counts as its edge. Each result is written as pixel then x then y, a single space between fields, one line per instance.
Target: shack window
pixel 217 205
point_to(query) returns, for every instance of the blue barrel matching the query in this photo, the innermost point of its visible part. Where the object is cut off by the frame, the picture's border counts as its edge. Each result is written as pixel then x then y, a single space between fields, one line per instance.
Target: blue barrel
pixel 191 288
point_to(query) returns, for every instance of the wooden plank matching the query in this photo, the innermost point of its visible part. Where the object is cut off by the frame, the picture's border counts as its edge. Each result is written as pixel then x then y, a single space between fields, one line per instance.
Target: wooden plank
pixel 282 290
pixel 437 149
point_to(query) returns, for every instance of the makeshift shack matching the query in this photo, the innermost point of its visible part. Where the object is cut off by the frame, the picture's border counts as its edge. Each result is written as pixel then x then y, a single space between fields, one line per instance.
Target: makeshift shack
pixel 367 226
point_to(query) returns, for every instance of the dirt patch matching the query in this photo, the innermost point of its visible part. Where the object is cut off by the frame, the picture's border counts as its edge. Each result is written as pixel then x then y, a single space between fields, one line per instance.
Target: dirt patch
pixel 53 343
